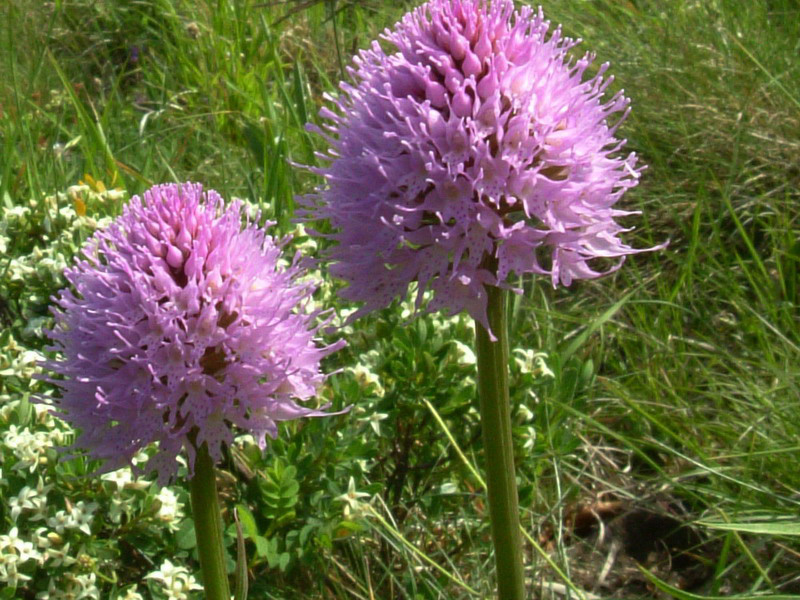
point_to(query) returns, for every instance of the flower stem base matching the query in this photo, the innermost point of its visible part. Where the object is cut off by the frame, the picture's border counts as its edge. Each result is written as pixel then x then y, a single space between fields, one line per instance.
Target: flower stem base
pixel 208 527
pixel 496 425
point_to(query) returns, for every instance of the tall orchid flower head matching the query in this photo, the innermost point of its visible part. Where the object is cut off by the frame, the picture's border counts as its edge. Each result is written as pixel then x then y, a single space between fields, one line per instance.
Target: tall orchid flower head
pixel 473 149
pixel 182 321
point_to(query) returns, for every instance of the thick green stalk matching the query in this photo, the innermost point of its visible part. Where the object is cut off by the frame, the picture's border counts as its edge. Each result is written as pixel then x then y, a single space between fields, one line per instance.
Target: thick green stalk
pixel 208 527
pixel 500 473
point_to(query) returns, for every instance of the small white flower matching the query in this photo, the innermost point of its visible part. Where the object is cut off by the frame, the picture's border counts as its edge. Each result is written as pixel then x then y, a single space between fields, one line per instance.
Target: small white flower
pixel 29 447
pixel 81 516
pixel 71 587
pixel 115 194
pixel 526 413
pixel 344 313
pixel 10 575
pixel 23 365
pixel 76 191
pixel 352 499
pixel 244 439
pixel 42 542
pixel 32 499
pixel 16 213
pixel 367 379
pixel 171 510
pixel 464 354
pixel 33 328
pixel 530 438
pixel 371 358
pixel 374 421
pixel 534 363
pixel 309 245
pixel 176 579
pixel 59 521
pixel 119 477
pixel 60 557
pixel 448 488
pixel 117 507
pixel 16 550
pixel 140 457
pixel 132 593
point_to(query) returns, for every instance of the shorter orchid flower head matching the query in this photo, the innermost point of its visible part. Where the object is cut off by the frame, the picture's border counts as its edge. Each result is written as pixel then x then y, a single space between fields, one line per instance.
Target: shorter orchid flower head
pixel 182 322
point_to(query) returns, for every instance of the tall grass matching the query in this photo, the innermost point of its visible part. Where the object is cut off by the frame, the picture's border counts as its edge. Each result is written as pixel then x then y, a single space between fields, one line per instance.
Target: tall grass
pixel 675 382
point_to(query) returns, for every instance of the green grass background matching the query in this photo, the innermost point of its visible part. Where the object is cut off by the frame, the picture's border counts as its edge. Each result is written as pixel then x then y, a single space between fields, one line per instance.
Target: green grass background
pixel 676 377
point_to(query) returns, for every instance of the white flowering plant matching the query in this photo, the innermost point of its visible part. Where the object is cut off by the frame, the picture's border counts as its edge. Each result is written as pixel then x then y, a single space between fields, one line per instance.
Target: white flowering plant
pixel 58 527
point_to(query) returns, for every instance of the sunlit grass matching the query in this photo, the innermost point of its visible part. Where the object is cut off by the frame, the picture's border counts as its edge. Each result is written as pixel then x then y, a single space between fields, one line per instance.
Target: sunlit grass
pixel 675 382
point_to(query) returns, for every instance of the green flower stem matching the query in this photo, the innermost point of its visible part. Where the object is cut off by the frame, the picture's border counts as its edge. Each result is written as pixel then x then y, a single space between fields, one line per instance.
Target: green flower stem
pixel 208 527
pixel 496 425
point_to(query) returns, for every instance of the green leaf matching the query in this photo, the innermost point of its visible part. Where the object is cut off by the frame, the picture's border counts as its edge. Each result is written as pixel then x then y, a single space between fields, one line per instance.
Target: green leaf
pixel 262 546
pixel 240 587
pixel 679 594
pixel 248 521
pixel 8 593
pixel 787 526
pixel 580 339
pixel 254 136
pixel 290 488
pixel 350 526
pixel 272 553
pixel 285 518
pixel 24 411
pixel 273 498
pixel 185 537
pixel 304 533
pixel 283 561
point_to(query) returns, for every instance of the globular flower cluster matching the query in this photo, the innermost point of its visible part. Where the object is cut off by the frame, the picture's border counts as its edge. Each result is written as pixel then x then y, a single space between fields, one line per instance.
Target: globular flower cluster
pixel 475 148
pixel 179 324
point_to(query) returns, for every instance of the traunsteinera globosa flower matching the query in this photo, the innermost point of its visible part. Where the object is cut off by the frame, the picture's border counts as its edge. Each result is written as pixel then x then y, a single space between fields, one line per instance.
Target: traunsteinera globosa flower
pixel 475 148
pixel 182 321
